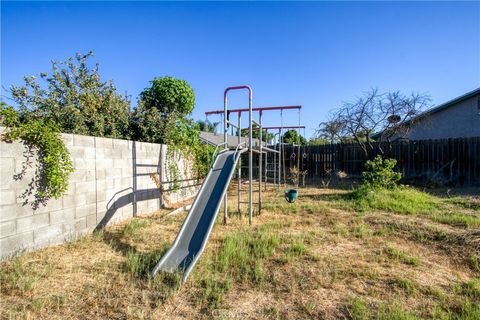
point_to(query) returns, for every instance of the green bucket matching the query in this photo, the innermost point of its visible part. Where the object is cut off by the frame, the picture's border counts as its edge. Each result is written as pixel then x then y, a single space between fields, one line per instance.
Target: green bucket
pixel 291 195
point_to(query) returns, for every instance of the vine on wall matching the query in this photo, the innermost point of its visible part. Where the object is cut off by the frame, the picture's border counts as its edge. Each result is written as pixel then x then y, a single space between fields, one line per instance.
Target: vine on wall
pixel 54 163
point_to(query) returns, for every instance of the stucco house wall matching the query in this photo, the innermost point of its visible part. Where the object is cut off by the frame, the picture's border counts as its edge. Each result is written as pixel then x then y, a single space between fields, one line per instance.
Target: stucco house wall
pixel 459 120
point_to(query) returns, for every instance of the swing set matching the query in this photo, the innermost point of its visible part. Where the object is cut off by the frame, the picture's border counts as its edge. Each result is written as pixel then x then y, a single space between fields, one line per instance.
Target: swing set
pixel 264 168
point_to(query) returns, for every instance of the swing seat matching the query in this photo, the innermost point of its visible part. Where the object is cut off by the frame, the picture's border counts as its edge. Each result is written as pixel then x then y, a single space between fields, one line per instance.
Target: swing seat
pixel 291 195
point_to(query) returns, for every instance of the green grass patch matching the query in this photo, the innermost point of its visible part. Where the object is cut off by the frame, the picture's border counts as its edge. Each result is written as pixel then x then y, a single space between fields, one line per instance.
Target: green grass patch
pixel 361 230
pixel 402 200
pixel 213 289
pixel 402 256
pixel 133 230
pixel 242 253
pixel 457 219
pixel 340 229
pixel 406 285
pixel 296 248
pixel 359 309
pixel 21 275
pixel 470 289
pixel 139 264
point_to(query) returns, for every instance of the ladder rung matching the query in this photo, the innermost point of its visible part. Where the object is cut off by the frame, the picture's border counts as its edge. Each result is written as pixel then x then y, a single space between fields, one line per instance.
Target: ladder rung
pixel 248 202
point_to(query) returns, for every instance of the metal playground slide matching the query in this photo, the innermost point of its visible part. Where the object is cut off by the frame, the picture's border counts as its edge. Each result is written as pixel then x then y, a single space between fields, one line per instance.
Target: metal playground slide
pixel 193 236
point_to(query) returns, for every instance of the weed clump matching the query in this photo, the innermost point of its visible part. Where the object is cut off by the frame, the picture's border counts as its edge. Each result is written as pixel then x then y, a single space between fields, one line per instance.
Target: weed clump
pixel 402 256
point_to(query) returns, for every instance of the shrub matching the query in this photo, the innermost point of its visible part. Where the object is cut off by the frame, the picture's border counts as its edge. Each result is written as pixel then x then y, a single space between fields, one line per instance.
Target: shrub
pixel 379 173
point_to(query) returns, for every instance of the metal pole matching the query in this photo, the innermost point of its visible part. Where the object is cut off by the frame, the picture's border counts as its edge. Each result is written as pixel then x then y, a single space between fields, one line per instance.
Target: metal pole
pixel 279 157
pixel 250 156
pixel 260 164
pixel 266 164
pixel 225 131
pixel 239 165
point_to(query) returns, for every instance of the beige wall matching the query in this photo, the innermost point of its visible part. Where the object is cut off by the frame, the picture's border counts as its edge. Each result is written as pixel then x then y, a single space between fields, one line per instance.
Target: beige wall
pixel 101 190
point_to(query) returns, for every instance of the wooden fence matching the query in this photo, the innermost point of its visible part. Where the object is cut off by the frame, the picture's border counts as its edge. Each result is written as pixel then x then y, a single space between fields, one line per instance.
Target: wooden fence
pixel 450 161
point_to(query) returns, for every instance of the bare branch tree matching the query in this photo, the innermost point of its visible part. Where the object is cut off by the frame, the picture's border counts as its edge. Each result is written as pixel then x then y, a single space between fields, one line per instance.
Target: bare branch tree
pixel 391 114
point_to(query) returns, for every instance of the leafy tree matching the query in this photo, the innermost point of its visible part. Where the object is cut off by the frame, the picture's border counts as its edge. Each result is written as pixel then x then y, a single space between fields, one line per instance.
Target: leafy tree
pixel 330 131
pixel 159 109
pixel 266 136
pixel 74 98
pixel 292 136
pixel 207 126
pixel 169 96
pixel 316 141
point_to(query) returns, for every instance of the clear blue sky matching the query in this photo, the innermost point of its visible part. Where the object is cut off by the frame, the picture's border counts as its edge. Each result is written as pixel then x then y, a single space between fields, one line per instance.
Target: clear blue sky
pixel 314 54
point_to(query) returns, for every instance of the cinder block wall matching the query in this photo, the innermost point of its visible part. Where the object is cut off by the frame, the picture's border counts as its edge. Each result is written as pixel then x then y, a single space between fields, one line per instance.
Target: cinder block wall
pixel 112 181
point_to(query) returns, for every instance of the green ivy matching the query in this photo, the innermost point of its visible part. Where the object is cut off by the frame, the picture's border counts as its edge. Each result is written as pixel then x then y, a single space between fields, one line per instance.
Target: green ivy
pixel 55 164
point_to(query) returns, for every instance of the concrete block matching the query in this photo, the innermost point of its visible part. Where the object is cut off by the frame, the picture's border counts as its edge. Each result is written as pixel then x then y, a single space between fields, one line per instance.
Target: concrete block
pixel 47 234
pixel 67 138
pixel 83 141
pixel 77 152
pixel 51 205
pixel 15 243
pixel 116 153
pixel 7 165
pixel 7 228
pixel 7 197
pixel 11 150
pixel 106 143
pixel 90 153
pixel 122 144
pixel 127 172
pixel 6 180
pixel 85 164
pixel 71 189
pixel 91 197
pixel 83 175
pixel 83 187
pixel 91 221
pixel 8 212
pixel 104 163
pixel 99 153
pixel 127 154
pixel 62 216
pixel 102 206
pixel 100 174
pixel 33 222
pixel 113 172
pixel 80 199
pixel 105 184
pixel 85 210
pixel 80 224
pixel 69 202
pixel 122 163
pixel 101 196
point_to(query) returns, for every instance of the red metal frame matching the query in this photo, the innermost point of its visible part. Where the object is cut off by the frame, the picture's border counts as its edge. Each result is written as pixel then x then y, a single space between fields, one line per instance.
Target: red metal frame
pixel 253 109
pixel 284 127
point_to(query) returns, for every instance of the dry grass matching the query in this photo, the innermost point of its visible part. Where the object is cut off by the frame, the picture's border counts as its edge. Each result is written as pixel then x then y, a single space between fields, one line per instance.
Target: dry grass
pixel 322 257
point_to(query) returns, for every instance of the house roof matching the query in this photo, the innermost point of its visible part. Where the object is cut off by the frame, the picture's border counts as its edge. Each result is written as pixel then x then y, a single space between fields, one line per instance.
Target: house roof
pixel 451 103
pixel 215 139
pixel 442 106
